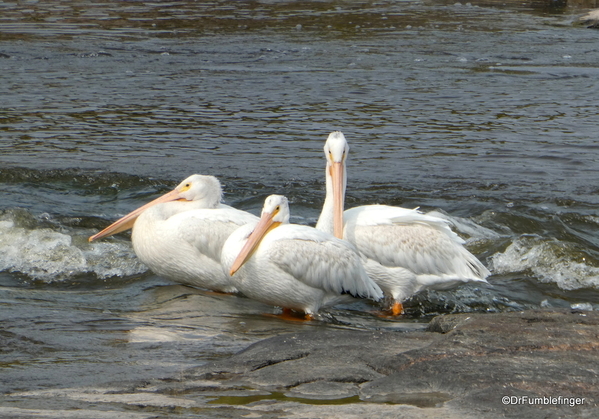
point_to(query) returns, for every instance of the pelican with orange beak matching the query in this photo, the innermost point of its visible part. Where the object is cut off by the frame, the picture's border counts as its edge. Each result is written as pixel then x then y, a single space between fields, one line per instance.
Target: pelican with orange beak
pixel 292 266
pixel 405 251
pixel 180 235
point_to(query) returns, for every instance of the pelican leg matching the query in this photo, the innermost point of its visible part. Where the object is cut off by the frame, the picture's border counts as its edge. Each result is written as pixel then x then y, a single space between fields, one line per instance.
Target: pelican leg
pixel 294 316
pixel 390 310
pixel 397 308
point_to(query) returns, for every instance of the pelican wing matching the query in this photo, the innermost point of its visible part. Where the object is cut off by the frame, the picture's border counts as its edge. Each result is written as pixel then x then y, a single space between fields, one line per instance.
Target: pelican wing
pixel 206 230
pixel 321 261
pixel 398 237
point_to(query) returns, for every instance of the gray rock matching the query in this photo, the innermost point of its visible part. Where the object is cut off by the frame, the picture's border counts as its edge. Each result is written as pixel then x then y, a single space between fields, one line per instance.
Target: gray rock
pixel 345 356
pixel 520 364
pixel 324 390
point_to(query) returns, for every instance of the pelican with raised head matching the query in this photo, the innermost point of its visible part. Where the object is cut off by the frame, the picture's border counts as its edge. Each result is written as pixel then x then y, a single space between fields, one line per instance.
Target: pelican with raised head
pixel 292 266
pixel 180 234
pixel 405 250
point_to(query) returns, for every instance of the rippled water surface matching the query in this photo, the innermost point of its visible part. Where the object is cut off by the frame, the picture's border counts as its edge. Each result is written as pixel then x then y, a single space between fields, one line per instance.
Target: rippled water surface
pixel 485 112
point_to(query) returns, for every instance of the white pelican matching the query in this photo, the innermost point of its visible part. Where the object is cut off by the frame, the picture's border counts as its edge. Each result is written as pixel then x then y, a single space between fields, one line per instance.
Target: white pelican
pixel 292 266
pixel 405 250
pixel 180 234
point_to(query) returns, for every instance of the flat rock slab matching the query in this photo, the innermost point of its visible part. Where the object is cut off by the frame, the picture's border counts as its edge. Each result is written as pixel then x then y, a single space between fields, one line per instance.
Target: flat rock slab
pixel 529 363
pixel 533 364
pixel 343 356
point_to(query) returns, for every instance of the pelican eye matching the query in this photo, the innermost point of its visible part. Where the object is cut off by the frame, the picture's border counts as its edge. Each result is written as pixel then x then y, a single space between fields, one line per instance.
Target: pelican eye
pixel 185 187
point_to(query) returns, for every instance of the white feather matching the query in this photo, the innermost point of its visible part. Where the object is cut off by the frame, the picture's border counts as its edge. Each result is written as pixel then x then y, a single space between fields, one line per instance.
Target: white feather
pixel 180 234
pixel 186 247
pixel 405 250
pixel 298 267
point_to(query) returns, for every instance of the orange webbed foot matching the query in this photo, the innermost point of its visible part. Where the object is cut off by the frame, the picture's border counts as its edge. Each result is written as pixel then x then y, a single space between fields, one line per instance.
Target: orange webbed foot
pixel 397 309
pixel 392 312
pixel 294 316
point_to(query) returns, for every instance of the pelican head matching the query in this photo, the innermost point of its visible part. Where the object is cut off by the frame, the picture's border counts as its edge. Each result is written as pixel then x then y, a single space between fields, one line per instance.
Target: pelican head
pixel 200 188
pixel 204 190
pixel 276 207
pixel 336 150
pixel 274 213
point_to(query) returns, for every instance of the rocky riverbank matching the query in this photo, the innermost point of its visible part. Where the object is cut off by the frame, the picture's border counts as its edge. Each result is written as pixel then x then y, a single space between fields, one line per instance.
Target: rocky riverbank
pixel 533 364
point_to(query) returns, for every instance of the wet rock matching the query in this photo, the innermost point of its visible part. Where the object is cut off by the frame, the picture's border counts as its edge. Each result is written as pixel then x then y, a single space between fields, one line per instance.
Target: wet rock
pixel 520 364
pixel 345 356
pixel 324 390
pixel 522 356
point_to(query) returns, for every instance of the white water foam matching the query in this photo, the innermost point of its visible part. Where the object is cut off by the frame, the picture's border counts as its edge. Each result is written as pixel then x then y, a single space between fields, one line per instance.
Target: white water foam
pixel 549 260
pixel 48 255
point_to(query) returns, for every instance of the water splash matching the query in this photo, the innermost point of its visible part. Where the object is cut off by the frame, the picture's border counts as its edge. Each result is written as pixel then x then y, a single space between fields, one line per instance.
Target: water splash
pixel 44 254
pixel 549 260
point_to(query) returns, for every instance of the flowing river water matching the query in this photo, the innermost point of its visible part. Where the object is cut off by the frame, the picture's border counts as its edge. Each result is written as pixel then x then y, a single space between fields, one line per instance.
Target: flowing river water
pixel 485 112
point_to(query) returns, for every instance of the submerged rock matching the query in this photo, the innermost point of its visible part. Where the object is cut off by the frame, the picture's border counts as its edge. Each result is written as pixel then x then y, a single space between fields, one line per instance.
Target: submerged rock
pixel 519 364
